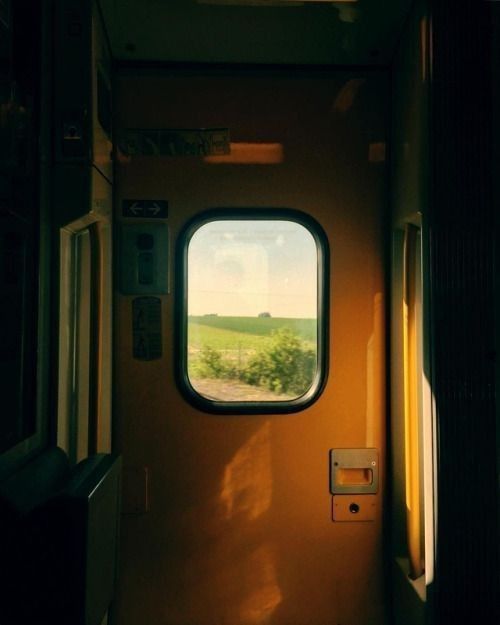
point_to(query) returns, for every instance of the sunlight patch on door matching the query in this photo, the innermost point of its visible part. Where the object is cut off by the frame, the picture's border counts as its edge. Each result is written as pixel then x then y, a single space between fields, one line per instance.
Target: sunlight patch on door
pixel 265 596
pixel 247 483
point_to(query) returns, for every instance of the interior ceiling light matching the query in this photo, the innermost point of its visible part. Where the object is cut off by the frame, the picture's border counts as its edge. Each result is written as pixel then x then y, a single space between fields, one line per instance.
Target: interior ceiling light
pixel 250 154
pixel 347 11
pixel 274 3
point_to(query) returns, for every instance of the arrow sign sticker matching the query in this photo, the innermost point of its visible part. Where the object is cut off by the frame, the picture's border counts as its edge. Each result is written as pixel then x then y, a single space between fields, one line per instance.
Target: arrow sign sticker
pixel 145 209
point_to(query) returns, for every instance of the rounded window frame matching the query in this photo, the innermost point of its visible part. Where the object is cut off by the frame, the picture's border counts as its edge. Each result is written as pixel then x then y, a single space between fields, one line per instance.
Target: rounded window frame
pixel 190 394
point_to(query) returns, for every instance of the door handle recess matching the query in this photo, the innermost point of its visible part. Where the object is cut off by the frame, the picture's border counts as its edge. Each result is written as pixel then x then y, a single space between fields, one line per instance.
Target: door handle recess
pixel 354 471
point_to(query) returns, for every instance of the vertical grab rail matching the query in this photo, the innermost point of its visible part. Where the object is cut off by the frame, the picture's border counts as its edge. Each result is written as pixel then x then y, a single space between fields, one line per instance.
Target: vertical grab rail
pixel 411 412
pixel 95 335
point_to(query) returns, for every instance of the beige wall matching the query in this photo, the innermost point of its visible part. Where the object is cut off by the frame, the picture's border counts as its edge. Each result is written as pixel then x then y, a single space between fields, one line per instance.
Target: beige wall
pixel 239 527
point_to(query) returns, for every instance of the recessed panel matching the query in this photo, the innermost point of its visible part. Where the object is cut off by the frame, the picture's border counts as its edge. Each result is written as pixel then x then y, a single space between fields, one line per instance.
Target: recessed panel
pixel 348 508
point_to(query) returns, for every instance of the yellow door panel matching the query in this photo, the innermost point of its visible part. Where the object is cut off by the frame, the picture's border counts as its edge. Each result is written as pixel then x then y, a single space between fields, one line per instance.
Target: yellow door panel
pixel 235 524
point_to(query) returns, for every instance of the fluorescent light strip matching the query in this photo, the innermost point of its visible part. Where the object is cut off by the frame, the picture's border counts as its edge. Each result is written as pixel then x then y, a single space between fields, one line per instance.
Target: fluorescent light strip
pixel 249 154
pixel 273 3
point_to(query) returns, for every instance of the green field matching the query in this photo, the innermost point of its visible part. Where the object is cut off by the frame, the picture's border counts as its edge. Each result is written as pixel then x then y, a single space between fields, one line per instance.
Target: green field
pixel 254 326
pixel 221 339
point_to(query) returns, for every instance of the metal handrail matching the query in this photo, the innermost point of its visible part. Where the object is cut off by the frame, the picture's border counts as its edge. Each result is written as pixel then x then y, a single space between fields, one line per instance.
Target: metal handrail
pixel 411 413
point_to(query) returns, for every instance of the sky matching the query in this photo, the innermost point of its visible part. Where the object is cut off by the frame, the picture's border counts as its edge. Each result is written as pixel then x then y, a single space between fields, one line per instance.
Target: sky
pixel 247 267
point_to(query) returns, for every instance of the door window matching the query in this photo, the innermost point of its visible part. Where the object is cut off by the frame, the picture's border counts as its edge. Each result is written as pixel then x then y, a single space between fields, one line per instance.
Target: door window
pixel 253 312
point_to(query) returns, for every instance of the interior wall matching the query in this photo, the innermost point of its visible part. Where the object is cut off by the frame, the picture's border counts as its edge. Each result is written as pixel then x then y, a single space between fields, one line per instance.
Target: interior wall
pixel 409 204
pixel 278 557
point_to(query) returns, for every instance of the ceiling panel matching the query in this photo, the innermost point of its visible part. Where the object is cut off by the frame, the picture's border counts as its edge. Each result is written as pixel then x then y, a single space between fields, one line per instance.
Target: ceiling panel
pixel 346 33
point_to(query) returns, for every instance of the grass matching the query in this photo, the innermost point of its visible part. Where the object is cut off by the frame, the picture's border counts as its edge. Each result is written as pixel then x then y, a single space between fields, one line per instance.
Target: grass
pixel 236 347
pixel 220 339
pixel 256 326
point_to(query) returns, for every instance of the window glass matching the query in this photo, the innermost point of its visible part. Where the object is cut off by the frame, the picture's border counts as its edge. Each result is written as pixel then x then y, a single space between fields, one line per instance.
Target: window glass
pixel 252 310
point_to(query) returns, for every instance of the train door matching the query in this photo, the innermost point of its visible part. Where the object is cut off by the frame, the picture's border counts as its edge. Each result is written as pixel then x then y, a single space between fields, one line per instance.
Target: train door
pixel 229 511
